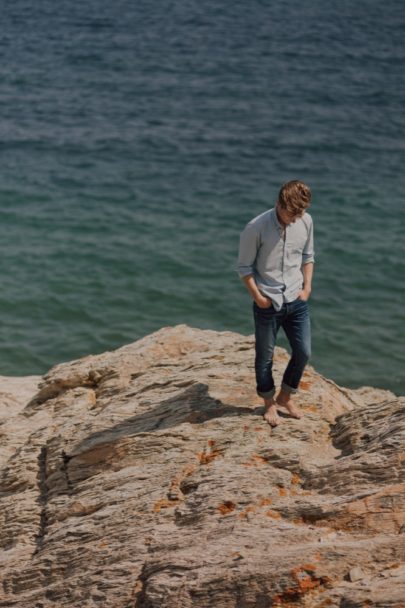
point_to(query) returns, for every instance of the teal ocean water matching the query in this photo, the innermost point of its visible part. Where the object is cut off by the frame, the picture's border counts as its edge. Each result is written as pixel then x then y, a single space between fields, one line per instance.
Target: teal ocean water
pixel 138 138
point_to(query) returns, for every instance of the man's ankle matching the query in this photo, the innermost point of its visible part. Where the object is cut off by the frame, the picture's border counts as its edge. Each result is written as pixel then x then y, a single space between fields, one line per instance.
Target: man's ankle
pixel 283 396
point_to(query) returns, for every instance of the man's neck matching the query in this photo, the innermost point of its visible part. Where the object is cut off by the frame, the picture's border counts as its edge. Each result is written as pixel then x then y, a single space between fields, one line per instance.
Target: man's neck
pixel 280 221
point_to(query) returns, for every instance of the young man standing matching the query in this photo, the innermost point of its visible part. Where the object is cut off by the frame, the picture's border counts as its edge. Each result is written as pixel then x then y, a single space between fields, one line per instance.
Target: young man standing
pixel 276 260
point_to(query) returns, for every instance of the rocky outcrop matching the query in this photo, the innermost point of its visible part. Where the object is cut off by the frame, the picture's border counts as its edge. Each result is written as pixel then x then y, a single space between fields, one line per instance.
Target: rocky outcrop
pixel 146 477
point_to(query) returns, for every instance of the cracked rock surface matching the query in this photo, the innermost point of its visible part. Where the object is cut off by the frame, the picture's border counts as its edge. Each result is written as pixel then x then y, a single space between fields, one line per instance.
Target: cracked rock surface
pixel 146 477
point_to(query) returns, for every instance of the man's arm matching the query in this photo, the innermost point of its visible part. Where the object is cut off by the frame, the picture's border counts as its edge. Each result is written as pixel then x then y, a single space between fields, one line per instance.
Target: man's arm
pixel 248 247
pixel 249 243
pixel 307 271
pixel 307 267
pixel 254 291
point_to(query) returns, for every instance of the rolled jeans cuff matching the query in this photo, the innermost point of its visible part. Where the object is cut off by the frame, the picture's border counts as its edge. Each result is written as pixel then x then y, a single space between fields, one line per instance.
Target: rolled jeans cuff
pixel 288 389
pixel 267 394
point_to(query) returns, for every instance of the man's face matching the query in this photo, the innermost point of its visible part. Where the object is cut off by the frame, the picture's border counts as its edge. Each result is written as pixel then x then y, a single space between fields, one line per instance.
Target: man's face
pixel 286 216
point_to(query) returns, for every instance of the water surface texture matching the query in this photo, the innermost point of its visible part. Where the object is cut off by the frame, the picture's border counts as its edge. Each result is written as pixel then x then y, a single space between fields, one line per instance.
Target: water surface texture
pixel 138 138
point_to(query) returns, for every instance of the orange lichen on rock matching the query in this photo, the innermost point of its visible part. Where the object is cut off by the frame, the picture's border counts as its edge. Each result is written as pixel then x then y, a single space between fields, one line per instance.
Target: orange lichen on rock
pixel 260 459
pixel 262 502
pixel 265 501
pixel 295 478
pixel 164 503
pixel 282 491
pixel 304 577
pixel 305 581
pixel 205 458
pixel 208 454
pixel 250 509
pixel 255 460
pixel 273 514
pixel 305 385
pixel 310 408
pixel 226 507
pixel 185 472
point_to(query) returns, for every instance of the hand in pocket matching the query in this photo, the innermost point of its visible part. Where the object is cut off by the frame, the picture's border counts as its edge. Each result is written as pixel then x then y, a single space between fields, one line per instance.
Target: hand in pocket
pixel 263 302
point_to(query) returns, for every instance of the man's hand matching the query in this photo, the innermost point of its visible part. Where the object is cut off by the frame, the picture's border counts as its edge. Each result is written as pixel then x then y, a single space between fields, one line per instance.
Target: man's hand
pixel 262 301
pixel 304 294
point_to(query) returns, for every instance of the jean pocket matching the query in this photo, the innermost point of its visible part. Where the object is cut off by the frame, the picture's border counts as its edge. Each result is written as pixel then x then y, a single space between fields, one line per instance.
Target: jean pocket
pixel 263 310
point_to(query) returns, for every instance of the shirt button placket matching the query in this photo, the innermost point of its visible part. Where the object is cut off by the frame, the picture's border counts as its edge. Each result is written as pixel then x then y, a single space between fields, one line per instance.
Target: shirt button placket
pixel 284 237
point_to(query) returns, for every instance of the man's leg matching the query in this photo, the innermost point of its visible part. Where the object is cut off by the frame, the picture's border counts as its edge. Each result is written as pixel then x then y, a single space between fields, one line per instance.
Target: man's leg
pixel 267 323
pixel 297 326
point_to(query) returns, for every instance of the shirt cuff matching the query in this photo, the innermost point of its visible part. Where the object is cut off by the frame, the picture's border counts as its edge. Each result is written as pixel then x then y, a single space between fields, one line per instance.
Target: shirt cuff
pixel 244 271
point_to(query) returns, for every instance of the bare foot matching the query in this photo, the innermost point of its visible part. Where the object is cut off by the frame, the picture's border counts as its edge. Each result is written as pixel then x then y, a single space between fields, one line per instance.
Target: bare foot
pixel 289 405
pixel 270 413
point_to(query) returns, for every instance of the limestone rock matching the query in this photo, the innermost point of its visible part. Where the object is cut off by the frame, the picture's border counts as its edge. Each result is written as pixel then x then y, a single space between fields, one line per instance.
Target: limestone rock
pixel 356 574
pixel 146 477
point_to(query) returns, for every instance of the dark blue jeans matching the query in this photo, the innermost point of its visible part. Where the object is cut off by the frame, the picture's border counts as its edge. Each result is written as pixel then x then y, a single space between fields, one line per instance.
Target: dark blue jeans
pixel 294 319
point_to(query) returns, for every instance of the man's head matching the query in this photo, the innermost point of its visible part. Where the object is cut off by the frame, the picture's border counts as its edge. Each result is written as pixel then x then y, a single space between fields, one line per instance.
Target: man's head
pixel 293 199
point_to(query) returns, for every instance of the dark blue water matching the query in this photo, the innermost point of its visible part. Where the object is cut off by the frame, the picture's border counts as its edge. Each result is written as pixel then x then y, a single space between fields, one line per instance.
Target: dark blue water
pixel 138 138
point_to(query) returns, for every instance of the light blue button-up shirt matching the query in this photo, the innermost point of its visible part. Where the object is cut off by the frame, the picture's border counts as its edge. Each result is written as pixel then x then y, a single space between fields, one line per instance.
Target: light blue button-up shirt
pixel 275 256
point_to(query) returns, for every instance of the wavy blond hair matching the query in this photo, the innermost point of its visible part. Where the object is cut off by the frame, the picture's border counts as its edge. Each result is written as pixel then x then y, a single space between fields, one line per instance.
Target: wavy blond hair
pixel 294 196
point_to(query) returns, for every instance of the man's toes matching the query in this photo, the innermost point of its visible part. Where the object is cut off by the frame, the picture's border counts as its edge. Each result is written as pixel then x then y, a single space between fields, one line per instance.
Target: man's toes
pixel 291 409
pixel 272 419
pixel 295 413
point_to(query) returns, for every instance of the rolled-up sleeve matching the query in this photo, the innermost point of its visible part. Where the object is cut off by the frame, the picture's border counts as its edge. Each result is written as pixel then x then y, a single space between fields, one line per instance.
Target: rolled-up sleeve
pixel 249 243
pixel 308 253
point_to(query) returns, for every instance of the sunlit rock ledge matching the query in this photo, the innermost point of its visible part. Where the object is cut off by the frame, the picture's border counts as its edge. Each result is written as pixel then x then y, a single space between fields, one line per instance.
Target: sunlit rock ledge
pixel 146 477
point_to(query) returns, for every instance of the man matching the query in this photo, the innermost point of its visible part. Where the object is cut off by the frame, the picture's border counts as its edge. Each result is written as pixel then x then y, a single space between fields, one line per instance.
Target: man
pixel 276 260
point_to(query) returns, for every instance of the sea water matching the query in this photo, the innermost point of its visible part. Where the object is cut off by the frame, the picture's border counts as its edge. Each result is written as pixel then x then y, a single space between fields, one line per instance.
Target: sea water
pixel 138 139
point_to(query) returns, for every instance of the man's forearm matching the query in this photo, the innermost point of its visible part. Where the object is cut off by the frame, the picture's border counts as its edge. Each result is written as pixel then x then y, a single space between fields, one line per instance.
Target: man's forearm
pixel 251 286
pixel 308 271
